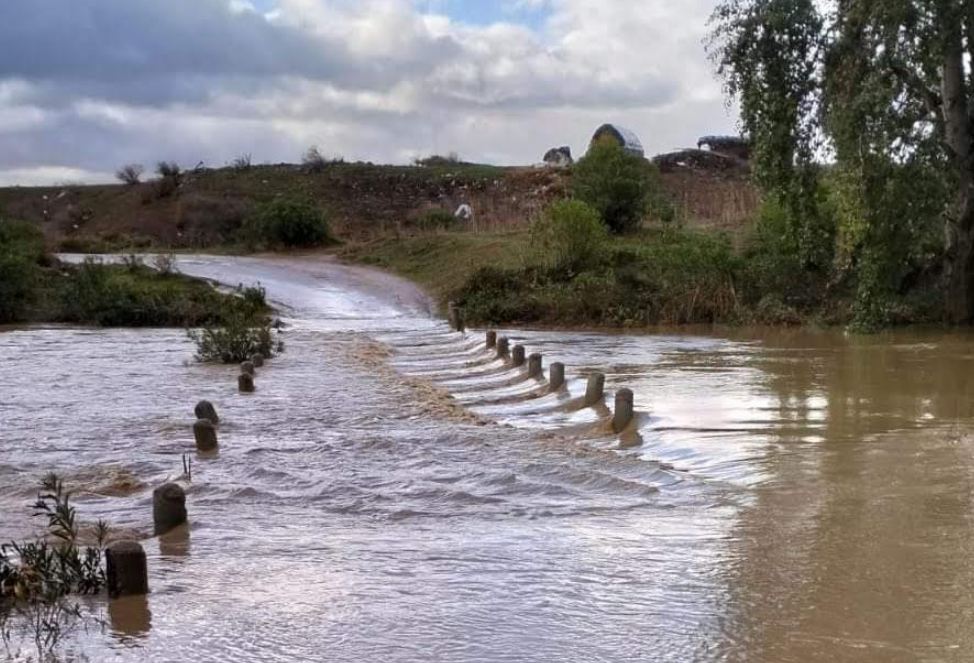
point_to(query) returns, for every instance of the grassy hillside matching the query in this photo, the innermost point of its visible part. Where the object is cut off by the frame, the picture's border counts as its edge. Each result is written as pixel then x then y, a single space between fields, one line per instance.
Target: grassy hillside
pixel 362 202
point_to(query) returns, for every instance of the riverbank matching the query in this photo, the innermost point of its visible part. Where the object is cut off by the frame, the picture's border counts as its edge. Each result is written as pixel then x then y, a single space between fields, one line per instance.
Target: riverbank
pixel 37 287
pixel 657 276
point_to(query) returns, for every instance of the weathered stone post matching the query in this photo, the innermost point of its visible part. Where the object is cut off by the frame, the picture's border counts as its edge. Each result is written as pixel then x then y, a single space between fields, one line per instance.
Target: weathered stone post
pixel 595 390
pixel 534 365
pixel 556 376
pixel 257 359
pixel 491 339
pixel 503 348
pixel 205 410
pixel 245 382
pixel 205 433
pixel 126 570
pixel 168 507
pixel 248 368
pixel 623 410
pixel 517 355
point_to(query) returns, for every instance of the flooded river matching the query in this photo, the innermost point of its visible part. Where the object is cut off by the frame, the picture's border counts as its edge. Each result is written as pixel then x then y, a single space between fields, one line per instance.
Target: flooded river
pixel 393 493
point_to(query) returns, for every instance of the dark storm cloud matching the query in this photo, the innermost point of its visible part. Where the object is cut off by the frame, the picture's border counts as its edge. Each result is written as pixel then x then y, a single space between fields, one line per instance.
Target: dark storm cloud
pixel 131 45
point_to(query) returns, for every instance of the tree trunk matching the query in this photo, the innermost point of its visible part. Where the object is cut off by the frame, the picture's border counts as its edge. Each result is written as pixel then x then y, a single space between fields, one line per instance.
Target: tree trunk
pixel 959 267
pixel 959 240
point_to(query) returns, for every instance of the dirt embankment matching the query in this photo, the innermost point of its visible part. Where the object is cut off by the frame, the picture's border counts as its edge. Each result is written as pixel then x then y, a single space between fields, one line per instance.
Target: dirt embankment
pixel 364 201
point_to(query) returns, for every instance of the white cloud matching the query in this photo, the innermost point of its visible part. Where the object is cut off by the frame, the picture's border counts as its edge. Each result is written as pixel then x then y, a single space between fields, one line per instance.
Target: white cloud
pixel 378 80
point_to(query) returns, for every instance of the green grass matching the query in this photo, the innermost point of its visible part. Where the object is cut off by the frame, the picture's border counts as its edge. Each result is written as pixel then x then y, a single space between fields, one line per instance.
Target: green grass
pixel 439 262
pixel 653 277
pixel 35 287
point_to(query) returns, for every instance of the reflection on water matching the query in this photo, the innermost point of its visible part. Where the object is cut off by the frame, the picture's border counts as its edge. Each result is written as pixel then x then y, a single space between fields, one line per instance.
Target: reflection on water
pixel 129 618
pixel 799 495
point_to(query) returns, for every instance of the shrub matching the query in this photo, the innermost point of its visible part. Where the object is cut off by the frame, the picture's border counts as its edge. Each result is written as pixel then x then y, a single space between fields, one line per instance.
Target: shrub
pixel 169 169
pixel 570 236
pixel 617 184
pixel 170 178
pixel 773 265
pixel 313 161
pixel 37 577
pixel 237 339
pixel 241 164
pixel 133 295
pixel 21 252
pixel 130 173
pixel 287 223
pixel 451 159
pixel 436 219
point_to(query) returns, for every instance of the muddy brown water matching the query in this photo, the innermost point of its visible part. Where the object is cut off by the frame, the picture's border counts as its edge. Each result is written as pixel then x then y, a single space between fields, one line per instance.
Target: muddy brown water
pixel 393 493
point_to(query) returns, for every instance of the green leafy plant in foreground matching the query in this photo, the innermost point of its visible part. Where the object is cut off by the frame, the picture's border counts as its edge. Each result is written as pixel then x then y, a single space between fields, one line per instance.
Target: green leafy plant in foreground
pixel 38 577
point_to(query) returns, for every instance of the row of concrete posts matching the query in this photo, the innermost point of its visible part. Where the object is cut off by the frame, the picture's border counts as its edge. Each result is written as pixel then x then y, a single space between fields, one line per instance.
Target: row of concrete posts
pixel 594 390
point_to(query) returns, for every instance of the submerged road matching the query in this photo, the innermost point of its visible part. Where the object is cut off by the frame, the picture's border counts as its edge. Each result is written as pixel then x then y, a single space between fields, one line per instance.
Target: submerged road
pixel 394 492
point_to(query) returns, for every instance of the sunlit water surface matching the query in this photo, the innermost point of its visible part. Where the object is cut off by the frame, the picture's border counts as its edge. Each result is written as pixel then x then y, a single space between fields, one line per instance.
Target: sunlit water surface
pixel 797 495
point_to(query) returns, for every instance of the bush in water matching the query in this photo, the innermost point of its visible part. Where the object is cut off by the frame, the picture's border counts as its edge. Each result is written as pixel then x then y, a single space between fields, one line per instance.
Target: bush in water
pixel 238 338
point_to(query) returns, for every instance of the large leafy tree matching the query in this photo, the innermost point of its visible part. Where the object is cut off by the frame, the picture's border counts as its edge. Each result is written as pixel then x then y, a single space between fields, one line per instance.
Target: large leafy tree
pixel 883 92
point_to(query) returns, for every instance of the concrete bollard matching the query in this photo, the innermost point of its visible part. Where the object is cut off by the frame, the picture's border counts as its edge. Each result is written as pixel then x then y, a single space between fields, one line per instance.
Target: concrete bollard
pixel 248 368
pixel 503 348
pixel 595 390
pixel 257 359
pixel 623 410
pixel 168 507
pixel 245 382
pixel 491 339
pixel 534 365
pixel 517 355
pixel 556 376
pixel 126 570
pixel 205 433
pixel 205 410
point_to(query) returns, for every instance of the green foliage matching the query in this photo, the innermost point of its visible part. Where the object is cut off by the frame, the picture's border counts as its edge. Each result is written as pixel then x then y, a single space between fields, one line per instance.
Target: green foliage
pixel 237 338
pixel 436 219
pixel 170 178
pixel 37 577
pixel 569 236
pixel 21 252
pixel 863 82
pixel 616 184
pixel 668 277
pixel 287 223
pixel 133 295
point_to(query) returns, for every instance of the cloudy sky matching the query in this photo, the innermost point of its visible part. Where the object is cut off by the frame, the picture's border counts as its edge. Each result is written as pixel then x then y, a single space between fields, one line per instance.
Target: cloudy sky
pixel 89 85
